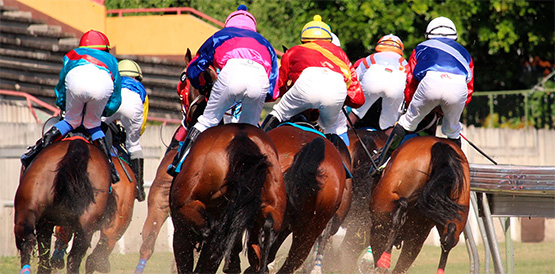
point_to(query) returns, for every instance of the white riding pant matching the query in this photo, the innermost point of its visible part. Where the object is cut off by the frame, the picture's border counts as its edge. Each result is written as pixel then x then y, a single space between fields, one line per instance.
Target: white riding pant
pixel 317 88
pixel 130 114
pixel 241 80
pixel 386 84
pixel 90 85
pixel 447 90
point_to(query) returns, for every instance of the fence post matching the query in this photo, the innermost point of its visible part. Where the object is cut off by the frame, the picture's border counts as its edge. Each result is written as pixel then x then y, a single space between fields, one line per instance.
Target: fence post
pixel 490 103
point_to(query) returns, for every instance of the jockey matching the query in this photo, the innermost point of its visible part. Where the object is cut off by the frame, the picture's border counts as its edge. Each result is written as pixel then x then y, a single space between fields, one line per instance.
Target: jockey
pixel 248 68
pixel 441 73
pixel 132 114
pixel 383 75
pixel 89 88
pixel 316 75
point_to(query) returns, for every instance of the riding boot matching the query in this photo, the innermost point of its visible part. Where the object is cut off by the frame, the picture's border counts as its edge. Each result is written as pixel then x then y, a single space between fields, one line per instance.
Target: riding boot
pixel 101 143
pixel 183 151
pixel 270 123
pixel 137 165
pixel 395 138
pixel 48 138
pixel 457 141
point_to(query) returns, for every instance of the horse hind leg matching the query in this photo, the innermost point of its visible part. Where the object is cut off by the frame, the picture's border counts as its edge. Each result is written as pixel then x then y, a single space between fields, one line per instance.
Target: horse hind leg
pixel 398 218
pixel 448 240
pixel 26 241
pixel 412 244
pixel 44 237
pixel 81 242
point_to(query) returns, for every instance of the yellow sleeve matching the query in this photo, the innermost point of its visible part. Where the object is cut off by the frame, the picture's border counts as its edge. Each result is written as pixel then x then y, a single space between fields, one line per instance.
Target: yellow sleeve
pixel 145 115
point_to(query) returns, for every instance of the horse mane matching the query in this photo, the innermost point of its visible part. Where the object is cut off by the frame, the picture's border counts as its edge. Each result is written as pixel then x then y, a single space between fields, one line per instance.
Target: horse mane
pixel 246 176
pixel 302 177
pixel 437 197
pixel 72 186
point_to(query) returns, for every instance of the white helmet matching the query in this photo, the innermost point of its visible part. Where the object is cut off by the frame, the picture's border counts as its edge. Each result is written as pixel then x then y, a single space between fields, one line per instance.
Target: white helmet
pixel 441 27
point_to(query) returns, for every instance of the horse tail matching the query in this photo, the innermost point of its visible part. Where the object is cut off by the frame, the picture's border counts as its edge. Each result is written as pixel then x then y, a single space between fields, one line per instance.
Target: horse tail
pixel 302 177
pixel 72 186
pixel 438 197
pixel 246 176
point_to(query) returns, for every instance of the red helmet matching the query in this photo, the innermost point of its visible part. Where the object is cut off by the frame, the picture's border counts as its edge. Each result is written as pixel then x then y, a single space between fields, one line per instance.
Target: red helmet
pixel 95 40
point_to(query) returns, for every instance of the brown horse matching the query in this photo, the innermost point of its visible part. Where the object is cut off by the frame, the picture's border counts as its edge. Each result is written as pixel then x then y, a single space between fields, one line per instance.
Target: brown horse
pixel 116 224
pixel 229 183
pixel 425 184
pixel 315 181
pixel 57 189
pixel 193 104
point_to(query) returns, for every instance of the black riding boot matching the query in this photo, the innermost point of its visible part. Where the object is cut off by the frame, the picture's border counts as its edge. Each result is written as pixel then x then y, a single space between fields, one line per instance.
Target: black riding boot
pixel 48 138
pixel 395 138
pixel 101 143
pixel 183 151
pixel 270 123
pixel 137 165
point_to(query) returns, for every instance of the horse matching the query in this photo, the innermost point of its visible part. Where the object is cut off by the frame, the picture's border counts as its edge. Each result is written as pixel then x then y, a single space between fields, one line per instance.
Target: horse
pixel 425 184
pixel 230 183
pixel 116 224
pixel 58 189
pixel 315 179
pixel 193 105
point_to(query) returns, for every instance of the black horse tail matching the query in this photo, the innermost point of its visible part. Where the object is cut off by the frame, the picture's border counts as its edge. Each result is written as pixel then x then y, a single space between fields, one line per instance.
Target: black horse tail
pixel 246 176
pixel 438 197
pixel 72 187
pixel 302 177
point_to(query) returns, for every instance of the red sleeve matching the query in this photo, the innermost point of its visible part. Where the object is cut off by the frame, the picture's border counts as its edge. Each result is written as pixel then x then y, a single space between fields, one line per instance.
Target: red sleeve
pixel 470 85
pixel 357 63
pixel 412 83
pixel 355 95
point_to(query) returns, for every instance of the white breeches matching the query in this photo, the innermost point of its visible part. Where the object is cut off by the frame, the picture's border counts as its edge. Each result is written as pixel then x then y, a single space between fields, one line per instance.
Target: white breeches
pixel 316 88
pixel 442 89
pixel 130 114
pixel 87 84
pixel 241 80
pixel 389 85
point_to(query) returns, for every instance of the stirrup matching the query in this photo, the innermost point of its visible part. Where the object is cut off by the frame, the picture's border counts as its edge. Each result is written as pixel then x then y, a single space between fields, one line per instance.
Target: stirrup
pixel 373 172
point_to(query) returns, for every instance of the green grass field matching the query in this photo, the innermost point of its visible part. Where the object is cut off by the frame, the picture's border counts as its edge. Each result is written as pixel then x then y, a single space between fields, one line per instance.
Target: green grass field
pixel 528 258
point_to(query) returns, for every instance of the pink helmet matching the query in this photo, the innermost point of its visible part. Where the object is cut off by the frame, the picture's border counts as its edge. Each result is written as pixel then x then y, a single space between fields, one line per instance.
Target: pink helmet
pixel 241 19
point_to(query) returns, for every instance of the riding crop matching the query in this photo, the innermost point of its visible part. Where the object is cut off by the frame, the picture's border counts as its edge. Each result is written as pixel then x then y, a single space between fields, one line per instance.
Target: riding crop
pixel 360 140
pixel 479 150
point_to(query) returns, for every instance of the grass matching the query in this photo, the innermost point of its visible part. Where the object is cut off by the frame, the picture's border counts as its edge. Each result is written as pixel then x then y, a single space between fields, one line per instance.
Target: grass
pixel 528 258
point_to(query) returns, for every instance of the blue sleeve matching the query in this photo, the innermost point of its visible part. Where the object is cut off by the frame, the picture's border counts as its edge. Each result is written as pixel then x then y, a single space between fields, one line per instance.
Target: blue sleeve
pixel 200 64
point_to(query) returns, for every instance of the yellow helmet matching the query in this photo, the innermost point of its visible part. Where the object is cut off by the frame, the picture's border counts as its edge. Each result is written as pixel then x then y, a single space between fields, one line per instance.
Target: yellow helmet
pixel 316 30
pixel 390 42
pixel 130 68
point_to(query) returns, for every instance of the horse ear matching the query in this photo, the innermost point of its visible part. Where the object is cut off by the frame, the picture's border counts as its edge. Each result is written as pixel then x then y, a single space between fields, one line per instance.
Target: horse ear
pixel 188 56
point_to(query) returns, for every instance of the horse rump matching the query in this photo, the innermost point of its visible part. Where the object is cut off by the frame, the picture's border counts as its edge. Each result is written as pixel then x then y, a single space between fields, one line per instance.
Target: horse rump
pixel 302 177
pixel 245 179
pixel 72 187
pixel 437 199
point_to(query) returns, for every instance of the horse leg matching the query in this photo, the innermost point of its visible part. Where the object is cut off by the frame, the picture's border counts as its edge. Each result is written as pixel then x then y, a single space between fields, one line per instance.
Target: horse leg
pixel 63 236
pixel 303 240
pixel 98 259
pixel 44 237
pixel 398 217
pixel 259 253
pixel 233 262
pixel 158 212
pixel 449 239
pixel 183 247
pixel 25 239
pixel 81 242
pixel 412 244
pixel 190 225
